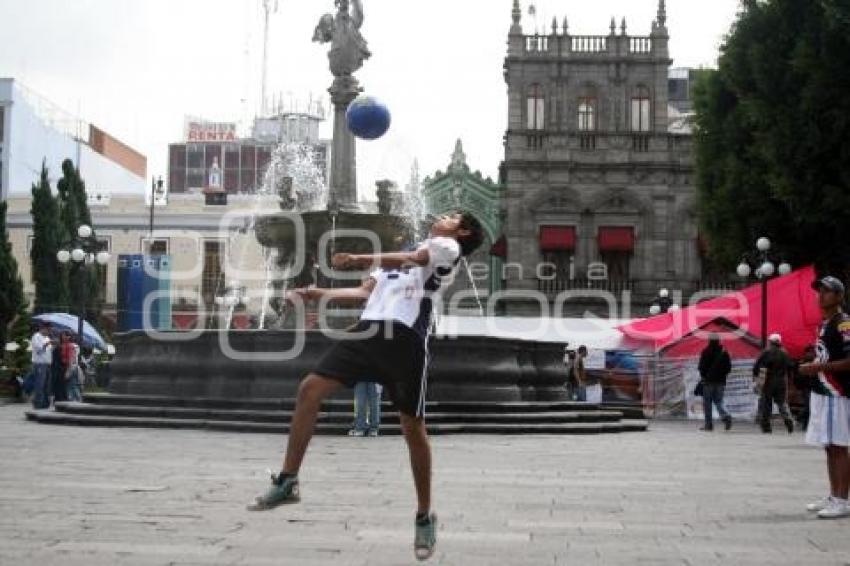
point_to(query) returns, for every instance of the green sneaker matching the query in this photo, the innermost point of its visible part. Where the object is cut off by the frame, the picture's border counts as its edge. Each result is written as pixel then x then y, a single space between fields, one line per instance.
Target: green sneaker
pixel 284 491
pixel 425 537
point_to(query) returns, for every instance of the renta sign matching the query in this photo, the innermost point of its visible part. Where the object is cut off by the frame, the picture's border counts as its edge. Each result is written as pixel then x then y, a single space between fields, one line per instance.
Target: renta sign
pixel 203 131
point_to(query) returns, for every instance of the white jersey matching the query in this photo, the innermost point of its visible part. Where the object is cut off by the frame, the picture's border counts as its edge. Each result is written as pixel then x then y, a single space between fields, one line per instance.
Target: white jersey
pixel 407 295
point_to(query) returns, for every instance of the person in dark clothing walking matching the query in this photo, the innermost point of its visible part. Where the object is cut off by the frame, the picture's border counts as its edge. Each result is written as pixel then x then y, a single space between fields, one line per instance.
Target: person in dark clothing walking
pixel 775 365
pixel 714 367
pixel 57 376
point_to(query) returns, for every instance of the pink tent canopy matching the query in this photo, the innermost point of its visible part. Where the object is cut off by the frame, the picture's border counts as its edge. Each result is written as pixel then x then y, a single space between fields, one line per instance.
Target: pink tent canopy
pixel 792 312
pixel 740 345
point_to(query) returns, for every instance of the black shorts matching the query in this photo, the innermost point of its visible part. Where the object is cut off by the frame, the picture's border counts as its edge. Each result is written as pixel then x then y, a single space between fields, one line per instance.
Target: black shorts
pixel 388 353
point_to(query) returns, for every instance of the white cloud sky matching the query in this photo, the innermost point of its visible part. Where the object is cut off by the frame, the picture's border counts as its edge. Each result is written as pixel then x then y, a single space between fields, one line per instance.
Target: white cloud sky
pixel 136 68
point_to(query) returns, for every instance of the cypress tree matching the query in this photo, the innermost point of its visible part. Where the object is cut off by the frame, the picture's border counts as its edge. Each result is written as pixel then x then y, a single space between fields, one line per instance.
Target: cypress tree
pixel 11 286
pixel 49 276
pixel 21 331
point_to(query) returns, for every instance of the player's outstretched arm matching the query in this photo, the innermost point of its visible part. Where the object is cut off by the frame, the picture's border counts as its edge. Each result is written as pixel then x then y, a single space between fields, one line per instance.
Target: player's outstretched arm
pixel 397 260
pixel 353 295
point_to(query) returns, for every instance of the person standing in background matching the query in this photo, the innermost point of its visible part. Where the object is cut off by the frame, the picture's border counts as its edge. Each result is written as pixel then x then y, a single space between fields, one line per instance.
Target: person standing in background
pixel 70 362
pixel 592 384
pixel 42 358
pixel 775 363
pixel 714 368
pixel 829 376
pixel 571 382
pixel 367 409
pixel 59 391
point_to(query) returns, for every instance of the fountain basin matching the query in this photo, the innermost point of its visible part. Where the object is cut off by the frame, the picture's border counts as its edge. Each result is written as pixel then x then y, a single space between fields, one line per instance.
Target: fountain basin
pixel 467 368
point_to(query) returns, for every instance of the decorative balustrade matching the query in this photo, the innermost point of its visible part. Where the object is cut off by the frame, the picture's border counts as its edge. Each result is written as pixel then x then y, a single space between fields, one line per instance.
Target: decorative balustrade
pixel 587 141
pixel 537 44
pixel 640 45
pixel 598 141
pixel 535 140
pixel 589 44
pixel 640 143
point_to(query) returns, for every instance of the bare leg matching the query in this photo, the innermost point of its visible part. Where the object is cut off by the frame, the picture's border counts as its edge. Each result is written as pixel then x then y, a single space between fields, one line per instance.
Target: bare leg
pixel 839 462
pixel 832 460
pixel 420 459
pixel 312 391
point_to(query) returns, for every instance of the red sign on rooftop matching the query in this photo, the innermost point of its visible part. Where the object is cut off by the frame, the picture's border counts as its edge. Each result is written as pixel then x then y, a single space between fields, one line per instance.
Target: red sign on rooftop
pixel 203 131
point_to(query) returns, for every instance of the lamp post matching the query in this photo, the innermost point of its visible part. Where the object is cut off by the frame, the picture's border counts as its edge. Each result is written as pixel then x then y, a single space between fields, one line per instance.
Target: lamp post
pixel 156 192
pixel 765 270
pixel 83 253
pixel 663 304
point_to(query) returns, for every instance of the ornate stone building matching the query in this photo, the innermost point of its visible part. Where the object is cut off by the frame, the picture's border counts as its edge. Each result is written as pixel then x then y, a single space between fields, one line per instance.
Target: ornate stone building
pixel 599 182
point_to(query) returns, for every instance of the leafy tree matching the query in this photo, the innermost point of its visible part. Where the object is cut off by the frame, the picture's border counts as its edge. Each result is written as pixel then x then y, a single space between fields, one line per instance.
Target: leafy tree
pixel 11 286
pixel 773 134
pixel 49 276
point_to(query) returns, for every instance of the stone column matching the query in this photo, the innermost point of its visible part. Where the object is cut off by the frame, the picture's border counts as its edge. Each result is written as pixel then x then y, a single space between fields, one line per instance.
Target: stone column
pixel 343 182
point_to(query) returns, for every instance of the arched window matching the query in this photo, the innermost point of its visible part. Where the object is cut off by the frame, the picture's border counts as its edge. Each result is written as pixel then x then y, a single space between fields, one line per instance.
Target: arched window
pixel 641 110
pixel 536 108
pixel 587 114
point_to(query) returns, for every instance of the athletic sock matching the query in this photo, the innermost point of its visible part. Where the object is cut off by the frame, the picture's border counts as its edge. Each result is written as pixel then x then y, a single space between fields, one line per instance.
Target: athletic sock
pixel 423 518
pixel 283 476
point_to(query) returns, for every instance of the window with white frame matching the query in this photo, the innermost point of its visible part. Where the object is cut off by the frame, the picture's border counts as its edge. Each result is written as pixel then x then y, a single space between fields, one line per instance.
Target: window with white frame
pixel 587 114
pixel 536 118
pixel 641 110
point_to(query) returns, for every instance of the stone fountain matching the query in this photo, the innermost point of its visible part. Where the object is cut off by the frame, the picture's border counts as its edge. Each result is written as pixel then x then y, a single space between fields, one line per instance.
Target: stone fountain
pixel 348 51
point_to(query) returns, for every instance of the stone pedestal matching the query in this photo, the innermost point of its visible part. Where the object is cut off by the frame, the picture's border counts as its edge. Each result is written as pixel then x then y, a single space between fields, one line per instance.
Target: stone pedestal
pixel 343 183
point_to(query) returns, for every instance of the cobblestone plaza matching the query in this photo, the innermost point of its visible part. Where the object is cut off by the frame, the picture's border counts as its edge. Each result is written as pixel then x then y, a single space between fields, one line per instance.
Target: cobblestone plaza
pixel 669 496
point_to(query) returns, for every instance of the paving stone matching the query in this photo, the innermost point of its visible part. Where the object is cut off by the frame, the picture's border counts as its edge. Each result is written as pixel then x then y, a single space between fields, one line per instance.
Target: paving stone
pixel 672 496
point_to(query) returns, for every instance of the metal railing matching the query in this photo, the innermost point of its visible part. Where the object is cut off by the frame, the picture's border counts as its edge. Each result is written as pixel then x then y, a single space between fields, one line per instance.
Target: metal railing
pixel 555 286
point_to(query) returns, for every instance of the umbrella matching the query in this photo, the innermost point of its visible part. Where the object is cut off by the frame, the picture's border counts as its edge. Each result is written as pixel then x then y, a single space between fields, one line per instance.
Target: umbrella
pixel 91 337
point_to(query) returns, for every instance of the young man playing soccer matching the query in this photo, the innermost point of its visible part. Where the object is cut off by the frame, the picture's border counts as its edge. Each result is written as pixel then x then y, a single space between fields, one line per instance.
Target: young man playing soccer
pixel 389 346
pixel 829 423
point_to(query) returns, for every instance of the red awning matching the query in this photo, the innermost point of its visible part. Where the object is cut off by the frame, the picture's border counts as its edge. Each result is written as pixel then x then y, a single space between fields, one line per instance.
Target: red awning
pixel 500 248
pixel 557 238
pixel 616 239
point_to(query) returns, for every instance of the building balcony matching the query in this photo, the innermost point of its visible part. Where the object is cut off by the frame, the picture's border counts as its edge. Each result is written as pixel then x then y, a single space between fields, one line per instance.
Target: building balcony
pixel 598 147
pixel 643 291
pixel 592 46
pixel 557 286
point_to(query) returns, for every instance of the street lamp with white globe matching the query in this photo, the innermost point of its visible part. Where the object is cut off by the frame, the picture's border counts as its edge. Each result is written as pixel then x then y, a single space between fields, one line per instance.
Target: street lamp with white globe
pixel 762 263
pixel 662 304
pixel 82 252
pixel 84 231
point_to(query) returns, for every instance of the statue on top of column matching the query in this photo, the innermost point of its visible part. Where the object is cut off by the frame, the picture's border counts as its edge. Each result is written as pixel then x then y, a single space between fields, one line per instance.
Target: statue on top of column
pixel 348 48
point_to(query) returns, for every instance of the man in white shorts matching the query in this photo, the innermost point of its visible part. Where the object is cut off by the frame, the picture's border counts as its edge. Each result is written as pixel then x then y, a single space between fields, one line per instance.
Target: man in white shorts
pixel 829 425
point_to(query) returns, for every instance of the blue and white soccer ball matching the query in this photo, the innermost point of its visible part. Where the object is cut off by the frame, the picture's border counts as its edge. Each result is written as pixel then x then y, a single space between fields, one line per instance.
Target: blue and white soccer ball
pixel 368 118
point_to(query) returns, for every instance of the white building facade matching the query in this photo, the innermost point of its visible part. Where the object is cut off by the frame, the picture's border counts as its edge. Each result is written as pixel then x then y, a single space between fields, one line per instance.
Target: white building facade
pixel 33 131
